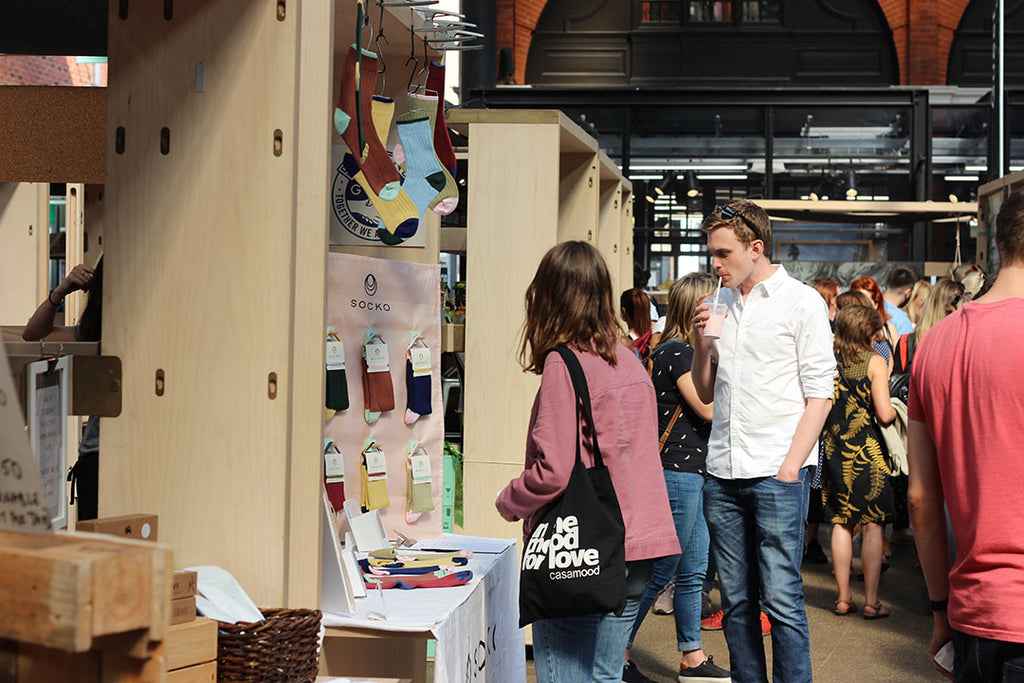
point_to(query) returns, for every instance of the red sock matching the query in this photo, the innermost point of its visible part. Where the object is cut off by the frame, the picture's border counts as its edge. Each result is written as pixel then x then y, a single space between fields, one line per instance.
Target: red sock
pixel 442 141
pixel 376 165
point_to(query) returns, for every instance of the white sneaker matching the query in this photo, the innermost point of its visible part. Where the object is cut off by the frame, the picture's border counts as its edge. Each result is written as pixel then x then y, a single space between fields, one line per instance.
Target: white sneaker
pixel 663 604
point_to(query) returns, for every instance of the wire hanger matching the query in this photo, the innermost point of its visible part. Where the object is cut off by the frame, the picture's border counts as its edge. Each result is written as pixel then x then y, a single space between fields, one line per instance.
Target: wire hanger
pixel 382 71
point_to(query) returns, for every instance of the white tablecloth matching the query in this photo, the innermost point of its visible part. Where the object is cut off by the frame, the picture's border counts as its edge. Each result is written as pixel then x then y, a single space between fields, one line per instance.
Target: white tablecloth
pixel 476 625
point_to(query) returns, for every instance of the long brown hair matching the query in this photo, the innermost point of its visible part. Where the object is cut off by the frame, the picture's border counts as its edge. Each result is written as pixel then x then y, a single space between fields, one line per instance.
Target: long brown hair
pixel 683 296
pixel 636 310
pixel 856 330
pixel 569 302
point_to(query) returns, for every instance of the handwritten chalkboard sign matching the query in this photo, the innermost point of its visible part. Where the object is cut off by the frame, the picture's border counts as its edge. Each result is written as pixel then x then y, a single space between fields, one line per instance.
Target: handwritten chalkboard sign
pixel 22 503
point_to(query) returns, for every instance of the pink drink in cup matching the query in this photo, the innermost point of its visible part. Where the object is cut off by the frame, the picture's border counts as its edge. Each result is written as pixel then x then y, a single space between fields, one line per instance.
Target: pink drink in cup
pixel 713 328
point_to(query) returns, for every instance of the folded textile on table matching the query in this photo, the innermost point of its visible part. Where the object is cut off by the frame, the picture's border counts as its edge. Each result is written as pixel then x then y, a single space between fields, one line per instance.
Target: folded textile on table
pixel 438 579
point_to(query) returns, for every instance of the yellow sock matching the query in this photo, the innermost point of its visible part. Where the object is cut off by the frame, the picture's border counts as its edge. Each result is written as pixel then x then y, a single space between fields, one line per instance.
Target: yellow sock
pixel 448 198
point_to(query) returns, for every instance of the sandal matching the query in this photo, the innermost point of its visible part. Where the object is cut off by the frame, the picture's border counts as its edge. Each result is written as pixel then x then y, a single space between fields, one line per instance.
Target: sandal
pixel 877 611
pixel 842 612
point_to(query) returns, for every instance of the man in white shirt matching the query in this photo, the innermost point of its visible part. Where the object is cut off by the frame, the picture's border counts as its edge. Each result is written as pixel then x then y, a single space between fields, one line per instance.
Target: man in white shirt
pixel 771 377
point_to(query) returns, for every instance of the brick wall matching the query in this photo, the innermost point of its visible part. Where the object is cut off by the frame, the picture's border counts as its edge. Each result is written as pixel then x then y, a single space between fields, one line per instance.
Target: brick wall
pixel 48 70
pixel 516 21
pixel 922 32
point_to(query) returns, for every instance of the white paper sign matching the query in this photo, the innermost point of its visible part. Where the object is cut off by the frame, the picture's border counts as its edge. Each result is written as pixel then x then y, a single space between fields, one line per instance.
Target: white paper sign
pixel 47 421
pixel 335 355
pixel 420 468
pixel 376 465
pixel 420 358
pixel 377 357
pixel 22 505
pixel 334 467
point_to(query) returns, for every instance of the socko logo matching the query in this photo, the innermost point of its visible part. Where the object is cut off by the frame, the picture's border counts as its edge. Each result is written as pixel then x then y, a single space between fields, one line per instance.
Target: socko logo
pixel 370 285
pixel 562 550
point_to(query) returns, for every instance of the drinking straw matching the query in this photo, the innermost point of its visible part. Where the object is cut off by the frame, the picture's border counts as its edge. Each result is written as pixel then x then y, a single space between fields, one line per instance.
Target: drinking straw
pixel 717 290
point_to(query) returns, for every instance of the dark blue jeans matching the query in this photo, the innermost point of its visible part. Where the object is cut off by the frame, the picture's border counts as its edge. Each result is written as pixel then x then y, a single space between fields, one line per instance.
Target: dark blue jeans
pixel 757 538
pixel 980 660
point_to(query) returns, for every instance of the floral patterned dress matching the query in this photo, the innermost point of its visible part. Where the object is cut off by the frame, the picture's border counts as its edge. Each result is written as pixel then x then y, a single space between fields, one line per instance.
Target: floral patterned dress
pixel 855 487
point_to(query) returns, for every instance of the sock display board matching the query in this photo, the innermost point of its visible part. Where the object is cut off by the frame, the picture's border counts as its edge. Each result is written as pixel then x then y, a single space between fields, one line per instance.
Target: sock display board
pixel 393 299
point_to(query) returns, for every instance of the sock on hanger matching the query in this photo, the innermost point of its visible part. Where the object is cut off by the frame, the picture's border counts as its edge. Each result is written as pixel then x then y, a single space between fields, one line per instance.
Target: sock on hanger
pixel 419 497
pixel 424 175
pixel 337 383
pixel 417 379
pixel 374 476
pixel 447 197
pixel 378 393
pixel 442 141
pixel 334 474
pixel 373 160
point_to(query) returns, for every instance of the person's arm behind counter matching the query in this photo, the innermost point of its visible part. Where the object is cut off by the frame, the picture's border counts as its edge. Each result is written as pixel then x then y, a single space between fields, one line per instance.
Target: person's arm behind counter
pixel 40 325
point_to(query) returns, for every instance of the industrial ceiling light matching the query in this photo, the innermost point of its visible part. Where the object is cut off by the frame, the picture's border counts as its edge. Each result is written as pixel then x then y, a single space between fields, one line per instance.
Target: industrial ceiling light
pixel 851 185
pixel 666 182
pixel 691 184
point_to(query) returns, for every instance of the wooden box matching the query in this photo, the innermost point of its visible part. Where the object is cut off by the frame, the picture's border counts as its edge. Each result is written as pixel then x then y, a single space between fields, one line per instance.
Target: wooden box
pixel 67 590
pixel 142 527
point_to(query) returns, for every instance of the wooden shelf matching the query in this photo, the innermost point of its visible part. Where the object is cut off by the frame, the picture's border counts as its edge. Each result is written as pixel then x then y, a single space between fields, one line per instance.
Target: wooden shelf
pixel 563 188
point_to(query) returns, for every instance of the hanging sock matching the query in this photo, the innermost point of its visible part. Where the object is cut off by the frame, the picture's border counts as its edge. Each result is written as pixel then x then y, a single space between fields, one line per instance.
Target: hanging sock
pixel 424 175
pixel 374 476
pixel 419 497
pixel 378 394
pixel 417 379
pixel 399 216
pixel 447 197
pixel 442 141
pixel 334 474
pixel 337 384
pixel 373 160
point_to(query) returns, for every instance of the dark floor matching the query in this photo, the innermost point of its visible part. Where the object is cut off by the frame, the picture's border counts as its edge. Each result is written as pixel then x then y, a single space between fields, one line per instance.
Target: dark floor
pixel 843 649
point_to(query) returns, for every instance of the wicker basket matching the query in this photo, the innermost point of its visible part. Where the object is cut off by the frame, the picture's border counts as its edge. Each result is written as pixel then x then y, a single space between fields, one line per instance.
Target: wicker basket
pixel 282 649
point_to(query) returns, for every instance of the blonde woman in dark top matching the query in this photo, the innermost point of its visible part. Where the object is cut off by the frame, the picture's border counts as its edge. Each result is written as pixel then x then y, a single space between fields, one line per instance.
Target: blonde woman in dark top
pixel 684 422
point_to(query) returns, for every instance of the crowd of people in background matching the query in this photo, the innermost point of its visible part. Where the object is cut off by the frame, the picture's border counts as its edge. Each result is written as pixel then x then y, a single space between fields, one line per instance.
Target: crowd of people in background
pixel 805 404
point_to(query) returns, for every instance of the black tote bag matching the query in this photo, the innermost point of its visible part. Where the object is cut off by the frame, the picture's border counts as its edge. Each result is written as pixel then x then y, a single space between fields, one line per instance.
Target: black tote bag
pixel 574 562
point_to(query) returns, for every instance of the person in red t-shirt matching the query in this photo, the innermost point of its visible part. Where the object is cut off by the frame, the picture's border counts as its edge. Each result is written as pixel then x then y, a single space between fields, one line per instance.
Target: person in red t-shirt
pixel 965 452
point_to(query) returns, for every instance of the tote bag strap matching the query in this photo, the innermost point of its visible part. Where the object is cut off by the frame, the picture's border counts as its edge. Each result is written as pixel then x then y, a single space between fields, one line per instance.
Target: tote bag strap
pixel 579 384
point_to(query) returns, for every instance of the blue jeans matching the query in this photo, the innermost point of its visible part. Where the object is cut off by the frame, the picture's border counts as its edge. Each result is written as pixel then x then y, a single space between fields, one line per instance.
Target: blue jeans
pixel 757 538
pixel 591 647
pixel 980 660
pixel 686 498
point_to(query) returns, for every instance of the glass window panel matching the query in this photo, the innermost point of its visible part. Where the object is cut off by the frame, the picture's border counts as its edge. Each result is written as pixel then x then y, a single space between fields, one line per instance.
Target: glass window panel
pixel 659 11
pixel 762 11
pixel 710 11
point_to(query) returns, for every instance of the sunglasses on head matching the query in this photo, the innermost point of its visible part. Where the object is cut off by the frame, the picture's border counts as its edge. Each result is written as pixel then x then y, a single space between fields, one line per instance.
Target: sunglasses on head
pixel 730 212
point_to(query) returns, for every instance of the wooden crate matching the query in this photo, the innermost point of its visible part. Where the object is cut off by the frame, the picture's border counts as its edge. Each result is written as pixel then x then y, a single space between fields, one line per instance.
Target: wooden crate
pixel 65 591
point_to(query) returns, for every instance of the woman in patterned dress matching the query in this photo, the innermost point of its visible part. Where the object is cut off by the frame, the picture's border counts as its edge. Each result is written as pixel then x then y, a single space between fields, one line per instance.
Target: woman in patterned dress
pixel 856 488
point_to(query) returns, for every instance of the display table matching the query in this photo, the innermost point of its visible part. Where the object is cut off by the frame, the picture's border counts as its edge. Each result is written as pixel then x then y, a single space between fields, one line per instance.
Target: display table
pixel 476 625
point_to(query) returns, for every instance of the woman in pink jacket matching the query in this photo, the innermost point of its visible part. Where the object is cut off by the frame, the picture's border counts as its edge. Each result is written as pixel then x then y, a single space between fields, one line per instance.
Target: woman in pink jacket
pixel 570 303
